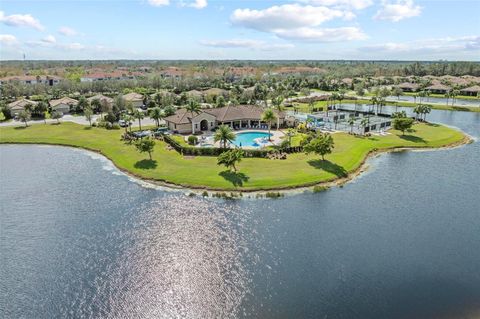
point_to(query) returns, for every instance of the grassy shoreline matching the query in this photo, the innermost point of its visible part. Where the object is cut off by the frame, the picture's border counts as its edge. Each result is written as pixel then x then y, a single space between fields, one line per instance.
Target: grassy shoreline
pixel 201 172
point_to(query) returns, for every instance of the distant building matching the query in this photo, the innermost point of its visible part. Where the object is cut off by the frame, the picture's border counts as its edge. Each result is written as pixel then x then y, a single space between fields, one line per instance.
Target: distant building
pixel 408 87
pixel 471 91
pixel 438 88
pixel 107 76
pixel 49 80
pixel 63 105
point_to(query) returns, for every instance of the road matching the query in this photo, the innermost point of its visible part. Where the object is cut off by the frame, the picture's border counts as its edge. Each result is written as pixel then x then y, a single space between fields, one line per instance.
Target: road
pixel 76 119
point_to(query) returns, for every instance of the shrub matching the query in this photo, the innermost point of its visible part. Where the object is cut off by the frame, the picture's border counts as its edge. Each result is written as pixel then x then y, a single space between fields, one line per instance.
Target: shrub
pixel 108 125
pixel 192 140
pixel 319 188
pixel 273 195
pixel 115 126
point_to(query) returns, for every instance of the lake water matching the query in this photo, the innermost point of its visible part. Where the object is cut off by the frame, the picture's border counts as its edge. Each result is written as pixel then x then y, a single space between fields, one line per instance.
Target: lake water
pixel 81 240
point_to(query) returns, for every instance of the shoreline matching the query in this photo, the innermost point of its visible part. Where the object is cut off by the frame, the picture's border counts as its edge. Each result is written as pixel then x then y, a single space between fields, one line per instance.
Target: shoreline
pixel 263 192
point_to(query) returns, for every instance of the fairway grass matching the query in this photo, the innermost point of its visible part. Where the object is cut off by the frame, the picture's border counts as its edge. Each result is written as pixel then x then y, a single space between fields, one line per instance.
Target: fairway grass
pixel 254 173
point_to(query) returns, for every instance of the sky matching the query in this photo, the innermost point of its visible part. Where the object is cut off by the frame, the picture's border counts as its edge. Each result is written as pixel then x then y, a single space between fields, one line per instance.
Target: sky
pixel 240 29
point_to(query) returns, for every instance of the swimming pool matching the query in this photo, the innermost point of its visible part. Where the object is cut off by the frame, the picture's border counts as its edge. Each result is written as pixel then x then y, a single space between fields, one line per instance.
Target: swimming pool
pixel 248 138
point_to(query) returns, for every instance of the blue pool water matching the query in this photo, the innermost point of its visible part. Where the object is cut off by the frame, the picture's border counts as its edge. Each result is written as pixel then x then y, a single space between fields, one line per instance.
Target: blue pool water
pixel 248 138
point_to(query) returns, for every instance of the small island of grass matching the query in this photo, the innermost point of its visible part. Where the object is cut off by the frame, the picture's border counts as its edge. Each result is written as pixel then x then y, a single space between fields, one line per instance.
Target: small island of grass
pixel 170 167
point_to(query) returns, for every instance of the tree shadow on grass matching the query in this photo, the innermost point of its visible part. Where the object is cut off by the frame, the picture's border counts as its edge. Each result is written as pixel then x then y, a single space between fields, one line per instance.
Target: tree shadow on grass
pixel 236 178
pixel 146 164
pixel 328 166
pixel 433 124
pixel 20 127
pixel 87 128
pixel 412 138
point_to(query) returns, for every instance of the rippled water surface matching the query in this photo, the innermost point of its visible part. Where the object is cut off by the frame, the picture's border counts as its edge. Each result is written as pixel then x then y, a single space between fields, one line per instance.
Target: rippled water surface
pixel 80 239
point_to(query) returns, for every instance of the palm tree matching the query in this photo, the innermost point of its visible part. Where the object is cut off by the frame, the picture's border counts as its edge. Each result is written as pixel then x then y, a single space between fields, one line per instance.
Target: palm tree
pixel 128 121
pixel 139 116
pixel 364 123
pixel 194 107
pixel 268 116
pixel 277 103
pixel 426 110
pixel 156 114
pixel 454 95
pixel 224 134
pixel 351 122
pixel 418 110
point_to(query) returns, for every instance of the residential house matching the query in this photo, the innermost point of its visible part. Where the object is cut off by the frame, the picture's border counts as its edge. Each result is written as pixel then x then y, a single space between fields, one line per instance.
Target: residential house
pixel 49 80
pixel 63 105
pixel 438 88
pixel 471 91
pixel 408 87
pixel 135 99
pixel 101 98
pixel 19 105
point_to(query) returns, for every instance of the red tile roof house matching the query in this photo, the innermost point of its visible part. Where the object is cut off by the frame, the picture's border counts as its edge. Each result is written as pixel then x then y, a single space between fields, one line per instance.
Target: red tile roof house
pixel 240 116
pixel 471 91
pixel 18 106
pixel 63 105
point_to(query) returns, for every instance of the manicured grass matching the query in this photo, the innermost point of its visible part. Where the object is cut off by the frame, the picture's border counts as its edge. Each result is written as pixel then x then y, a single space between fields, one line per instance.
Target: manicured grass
pixel 255 173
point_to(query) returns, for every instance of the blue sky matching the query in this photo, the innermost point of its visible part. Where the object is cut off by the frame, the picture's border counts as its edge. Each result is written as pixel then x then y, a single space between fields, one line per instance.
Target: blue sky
pixel 262 29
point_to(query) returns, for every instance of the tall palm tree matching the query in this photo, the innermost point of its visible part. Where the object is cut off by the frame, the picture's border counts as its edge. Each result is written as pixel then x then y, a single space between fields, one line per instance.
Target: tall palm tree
pixel 224 134
pixel 139 116
pixel 351 122
pixel 277 103
pixel 268 116
pixel 194 107
pixel 364 123
pixel 128 121
pixel 156 114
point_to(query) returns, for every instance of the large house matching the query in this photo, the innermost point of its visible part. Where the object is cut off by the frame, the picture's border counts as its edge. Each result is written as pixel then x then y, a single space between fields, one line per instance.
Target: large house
pixel 49 80
pixel 241 116
pixel 135 99
pixel 63 105
pixel 18 106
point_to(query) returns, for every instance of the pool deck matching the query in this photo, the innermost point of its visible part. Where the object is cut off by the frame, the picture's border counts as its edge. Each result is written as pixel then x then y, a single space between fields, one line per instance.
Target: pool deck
pixel 277 136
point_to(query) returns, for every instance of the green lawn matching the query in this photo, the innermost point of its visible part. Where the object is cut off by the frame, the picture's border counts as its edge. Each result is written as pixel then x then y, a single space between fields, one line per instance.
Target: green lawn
pixel 202 171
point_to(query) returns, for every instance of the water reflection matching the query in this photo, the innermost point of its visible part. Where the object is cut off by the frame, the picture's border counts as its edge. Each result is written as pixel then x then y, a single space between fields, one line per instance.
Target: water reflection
pixel 186 262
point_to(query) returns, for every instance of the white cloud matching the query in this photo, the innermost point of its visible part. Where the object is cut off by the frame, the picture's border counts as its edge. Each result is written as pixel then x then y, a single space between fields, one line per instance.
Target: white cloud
pixel 447 45
pixel 21 20
pixel 354 4
pixel 323 34
pixel 72 46
pixel 401 9
pixel 247 43
pixel 299 22
pixel 199 4
pixel 286 16
pixel 49 39
pixel 159 3
pixel 8 39
pixel 67 31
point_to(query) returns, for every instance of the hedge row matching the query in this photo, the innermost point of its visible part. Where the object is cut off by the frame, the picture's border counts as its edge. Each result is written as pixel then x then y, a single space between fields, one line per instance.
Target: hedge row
pixel 215 151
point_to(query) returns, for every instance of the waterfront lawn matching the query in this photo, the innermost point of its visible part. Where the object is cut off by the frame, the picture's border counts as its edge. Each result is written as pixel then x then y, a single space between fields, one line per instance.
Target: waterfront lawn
pixel 203 171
